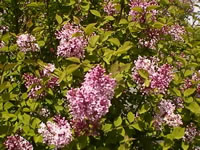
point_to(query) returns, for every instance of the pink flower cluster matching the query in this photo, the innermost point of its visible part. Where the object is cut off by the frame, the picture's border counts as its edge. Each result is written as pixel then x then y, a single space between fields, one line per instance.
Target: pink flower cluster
pixel 159 77
pixel 47 72
pixel 190 133
pixel 27 42
pixel 144 4
pixel 17 142
pixel 151 39
pixel 190 82
pixel 35 84
pixel 72 41
pixel 109 7
pixel 44 112
pixel 92 100
pixel 176 32
pixel 166 115
pixel 57 133
pixel 4 29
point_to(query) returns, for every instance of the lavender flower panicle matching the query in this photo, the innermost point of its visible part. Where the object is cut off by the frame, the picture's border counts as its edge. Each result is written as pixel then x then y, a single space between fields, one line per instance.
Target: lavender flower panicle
pixel 57 133
pixel 35 84
pixel 27 42
pixel 92 100
pixel 190 133
pixel 159 77
pixel 17 142
pixel 72 41
pixel 176 32
pixel 166 115
pixel 109 7
pixel 144 4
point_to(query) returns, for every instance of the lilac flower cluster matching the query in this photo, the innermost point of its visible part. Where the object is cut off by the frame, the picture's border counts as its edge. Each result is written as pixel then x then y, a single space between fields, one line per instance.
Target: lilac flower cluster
pixel 72 41
pixel 175 31
pixel 151 39
pixel 166 115
pixel 92 100
pixel 44 112
pixel 27 42
pixel 35 84
pixel 17 142
pixel 159 77
pixel 57 133
pixel 190 133
pixel 109 7
pixel 190 82
pixel 143 4
pixel 154 35
pixel 4 29
pixel 47 72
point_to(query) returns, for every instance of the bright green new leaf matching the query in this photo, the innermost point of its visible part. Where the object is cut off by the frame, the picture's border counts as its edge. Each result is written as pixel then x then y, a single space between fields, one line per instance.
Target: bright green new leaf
pixel 194 107
pixel 93 40
pixel 59 19
pixel 189 92
pixel 96 13
pixel 130 117
pixel 114 41
pixel 118 121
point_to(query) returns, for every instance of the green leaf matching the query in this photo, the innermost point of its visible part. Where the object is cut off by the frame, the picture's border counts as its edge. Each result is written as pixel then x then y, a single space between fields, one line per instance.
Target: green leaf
pixel 188 99
pixel 137 126
pixel 35 4
pixel 143 73
pixel 130 117
pixel 107 127
pixel 188 73
pixel 90 29
pixel 93 40
pixel 124 48
pixel 71 68
pixel 194 107
pixel 109 18
pixel 38 139
pixel 158 25
pixel 4 86
pixel 178 133
pixel 96 13
pixel 26 119
pixel 118 121
pixel 76 20
pixel 59 19
pixel 114 41
pixel 8 105
pixel 105 36
pixel 74 59
pixel 152 7
pixel 189 92
pixel 178 93
pixel 41 43
pixel 183 60
pixel 169 59
pixel 123 21
pixel 144 108
pixel 184 145
pixel 137 8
